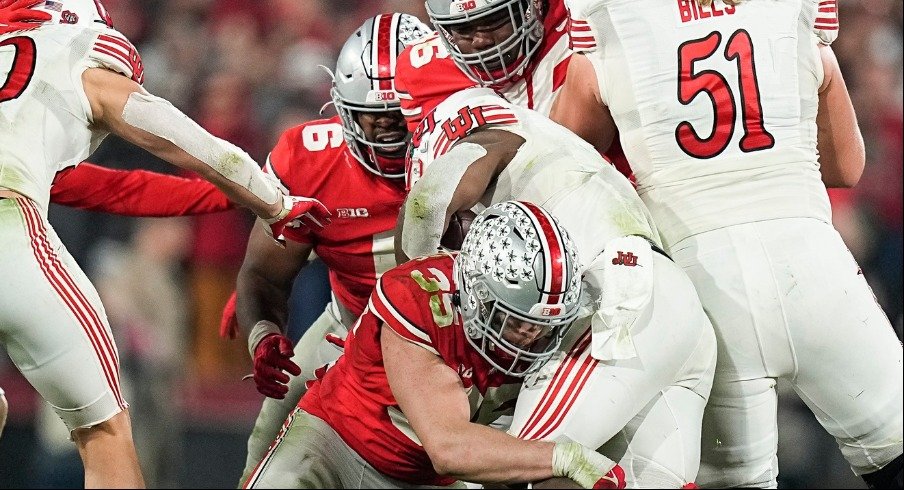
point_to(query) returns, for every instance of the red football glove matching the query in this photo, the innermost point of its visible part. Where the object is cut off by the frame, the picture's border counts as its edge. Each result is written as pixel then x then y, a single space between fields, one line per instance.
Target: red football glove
pixel 272 356
pixel 16 15
pixel 229 325
pixel 298 212
pixel 615 478
pixel 586 467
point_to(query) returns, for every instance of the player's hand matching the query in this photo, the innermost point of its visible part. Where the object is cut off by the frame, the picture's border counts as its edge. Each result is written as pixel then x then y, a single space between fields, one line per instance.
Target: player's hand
pixel 586 467
pixel 17 15
pixel 272 356
pixel 297 212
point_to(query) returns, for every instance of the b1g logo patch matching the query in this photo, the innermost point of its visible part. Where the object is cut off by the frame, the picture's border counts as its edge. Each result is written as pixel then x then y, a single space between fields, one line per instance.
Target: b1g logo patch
pixel 352 212
pixel 551 311
pixel 462 6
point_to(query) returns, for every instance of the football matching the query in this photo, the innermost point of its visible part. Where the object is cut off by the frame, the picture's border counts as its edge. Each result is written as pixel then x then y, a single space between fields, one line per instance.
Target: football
pixel 458 227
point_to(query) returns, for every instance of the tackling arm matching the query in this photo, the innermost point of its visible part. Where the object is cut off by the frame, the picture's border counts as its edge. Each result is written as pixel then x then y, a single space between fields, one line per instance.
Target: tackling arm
pixel 126 109
pixel 431 396
pixel 841 152
pixel 580 108
pixel 433 399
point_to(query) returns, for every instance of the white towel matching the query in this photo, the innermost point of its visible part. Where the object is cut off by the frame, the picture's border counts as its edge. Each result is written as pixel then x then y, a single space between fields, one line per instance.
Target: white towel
pixel 622 276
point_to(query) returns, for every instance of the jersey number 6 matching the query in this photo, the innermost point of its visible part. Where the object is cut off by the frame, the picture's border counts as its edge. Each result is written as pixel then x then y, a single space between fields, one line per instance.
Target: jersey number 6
pixel 690 84
pixel 22 68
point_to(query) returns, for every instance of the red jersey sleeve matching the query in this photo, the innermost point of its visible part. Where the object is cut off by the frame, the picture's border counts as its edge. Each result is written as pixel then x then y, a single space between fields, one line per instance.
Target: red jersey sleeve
pixel 135 192
pixel 402 308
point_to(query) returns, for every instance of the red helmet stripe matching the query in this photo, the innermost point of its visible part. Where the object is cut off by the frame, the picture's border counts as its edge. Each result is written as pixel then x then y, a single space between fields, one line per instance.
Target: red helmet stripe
pixel 384 41
pixel 554 270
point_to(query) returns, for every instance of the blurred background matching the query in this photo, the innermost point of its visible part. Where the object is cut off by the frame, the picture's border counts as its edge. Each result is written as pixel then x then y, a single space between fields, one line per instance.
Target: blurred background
pixel 248 69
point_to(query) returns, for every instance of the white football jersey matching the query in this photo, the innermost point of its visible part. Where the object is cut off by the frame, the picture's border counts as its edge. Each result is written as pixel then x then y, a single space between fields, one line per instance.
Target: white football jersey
pixel 553 168
pixel 715 106
pixel 538 89
pixel 45 116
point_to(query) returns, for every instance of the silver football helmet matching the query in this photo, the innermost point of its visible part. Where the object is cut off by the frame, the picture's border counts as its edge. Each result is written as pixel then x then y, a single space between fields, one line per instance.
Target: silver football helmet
pixel 364 81
pixel 76 12
pixel 520 286
pixel 500 64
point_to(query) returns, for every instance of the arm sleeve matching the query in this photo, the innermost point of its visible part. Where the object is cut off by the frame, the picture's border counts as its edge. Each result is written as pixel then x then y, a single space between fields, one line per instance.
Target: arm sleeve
pixel 135 192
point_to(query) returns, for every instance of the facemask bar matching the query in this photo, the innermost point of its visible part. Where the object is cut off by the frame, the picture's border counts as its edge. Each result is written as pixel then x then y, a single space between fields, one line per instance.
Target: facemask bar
pixel 487 337
pixel 364 150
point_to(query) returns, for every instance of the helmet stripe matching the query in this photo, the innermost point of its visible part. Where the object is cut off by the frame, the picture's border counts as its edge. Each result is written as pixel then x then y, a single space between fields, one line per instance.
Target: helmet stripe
pixel 382 66
pixel 394 48
pixel 554 270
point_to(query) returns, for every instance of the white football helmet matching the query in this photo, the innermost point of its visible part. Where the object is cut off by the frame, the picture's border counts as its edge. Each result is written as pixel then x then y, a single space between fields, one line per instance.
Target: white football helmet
pixel 364 81
pixel 517 266
pixel 77 12
pixel 500 64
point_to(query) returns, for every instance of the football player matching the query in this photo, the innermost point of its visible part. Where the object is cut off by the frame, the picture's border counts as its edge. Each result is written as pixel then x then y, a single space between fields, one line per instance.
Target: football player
pixel 439 355
pixel 67 83
pixel 644 350
pixel 355 164
pixel 735 117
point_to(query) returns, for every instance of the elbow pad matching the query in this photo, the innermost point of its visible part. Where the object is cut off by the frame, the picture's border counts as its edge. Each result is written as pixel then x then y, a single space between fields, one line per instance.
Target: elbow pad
pixel 428 201
pixel 160 118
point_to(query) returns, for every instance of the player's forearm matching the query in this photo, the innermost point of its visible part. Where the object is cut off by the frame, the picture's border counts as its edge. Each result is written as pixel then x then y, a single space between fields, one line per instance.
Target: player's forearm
pixel 126 109
pixel 236 193
pixel 259 298
pixel 477 453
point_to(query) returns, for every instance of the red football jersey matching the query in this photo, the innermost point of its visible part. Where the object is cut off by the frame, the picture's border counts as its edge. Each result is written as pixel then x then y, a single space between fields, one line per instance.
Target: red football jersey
pixel 312 160
pixel 415 300
pixel 426 74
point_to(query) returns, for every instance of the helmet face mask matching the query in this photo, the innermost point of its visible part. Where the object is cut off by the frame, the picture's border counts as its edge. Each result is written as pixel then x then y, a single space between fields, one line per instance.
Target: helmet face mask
pixel 503 63
pixel 519 284
pixel 363 82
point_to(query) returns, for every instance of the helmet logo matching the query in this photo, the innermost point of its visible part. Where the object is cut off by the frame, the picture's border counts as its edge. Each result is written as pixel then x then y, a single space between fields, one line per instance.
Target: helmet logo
pixel 462 6
pixel 381 96
pixel 68 17
pixel 551 311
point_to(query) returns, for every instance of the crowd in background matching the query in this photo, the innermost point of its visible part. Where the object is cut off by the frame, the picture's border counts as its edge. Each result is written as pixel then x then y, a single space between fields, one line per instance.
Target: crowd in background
pixel 248 69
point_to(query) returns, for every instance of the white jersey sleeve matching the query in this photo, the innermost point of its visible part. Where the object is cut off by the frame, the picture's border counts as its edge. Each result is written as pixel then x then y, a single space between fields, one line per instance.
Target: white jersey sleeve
pixel 48 115
pixel 111 50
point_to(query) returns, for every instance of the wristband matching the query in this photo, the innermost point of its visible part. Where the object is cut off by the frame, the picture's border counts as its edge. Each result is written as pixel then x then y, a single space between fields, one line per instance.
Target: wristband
pixel 260 330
